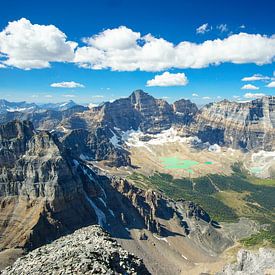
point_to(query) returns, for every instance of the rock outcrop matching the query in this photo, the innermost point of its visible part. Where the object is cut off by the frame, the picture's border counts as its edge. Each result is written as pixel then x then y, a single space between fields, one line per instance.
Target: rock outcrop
pixel 88 250
pixel 239 125
pixel 252 263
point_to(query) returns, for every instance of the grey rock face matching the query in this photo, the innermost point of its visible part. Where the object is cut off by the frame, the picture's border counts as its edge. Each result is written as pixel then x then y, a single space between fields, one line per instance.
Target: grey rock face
pixel 41 195
pixel 87 251
pixel 252 263
pixel 95 144
pixel 139 111
pixel 248 125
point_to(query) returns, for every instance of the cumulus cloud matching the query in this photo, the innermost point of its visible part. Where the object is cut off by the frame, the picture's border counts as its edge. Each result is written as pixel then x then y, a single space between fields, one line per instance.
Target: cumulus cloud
pixel 242 26
pixel 32 46
pixel 2 66
pixel 68 84
pixel 249 87
pixel 203 28
pixel 27 46
pixel 206 97
pixel 271 84
pixel 148 53
pixel 195 95
pixel 222 28
pixel 69 95
pixel 98 96
pixel 255 77
pixel 120 38
pixel 168 79
pixel 251 95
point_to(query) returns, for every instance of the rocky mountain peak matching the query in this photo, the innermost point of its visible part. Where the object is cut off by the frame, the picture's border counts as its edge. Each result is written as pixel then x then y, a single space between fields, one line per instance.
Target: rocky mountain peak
pixel 138 96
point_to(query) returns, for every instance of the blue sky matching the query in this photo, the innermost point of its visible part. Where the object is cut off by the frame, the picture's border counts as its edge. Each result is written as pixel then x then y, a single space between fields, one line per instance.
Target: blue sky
pixel 173 21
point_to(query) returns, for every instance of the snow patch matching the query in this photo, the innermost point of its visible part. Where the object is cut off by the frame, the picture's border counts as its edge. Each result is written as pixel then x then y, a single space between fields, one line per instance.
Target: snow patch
pixel 100 215
pixel 134 138
pixel 214 148
pixel 161 239
pixel 112 212
pixel 83 157
pixel 115 140
pixel 184 257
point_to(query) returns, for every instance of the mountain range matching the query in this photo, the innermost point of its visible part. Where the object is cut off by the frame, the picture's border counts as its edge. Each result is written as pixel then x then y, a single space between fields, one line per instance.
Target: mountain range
pixel 66 166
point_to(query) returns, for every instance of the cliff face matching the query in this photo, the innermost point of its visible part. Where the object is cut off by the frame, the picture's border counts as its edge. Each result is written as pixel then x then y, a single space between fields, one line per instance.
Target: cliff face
pixel 239 125
pixel 95 144
pixel 41 196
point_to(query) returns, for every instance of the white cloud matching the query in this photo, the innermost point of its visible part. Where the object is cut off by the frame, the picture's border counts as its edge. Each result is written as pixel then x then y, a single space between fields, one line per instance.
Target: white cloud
pixel 69 95
pixel 203 28
pixel 2 66
pixel 255 77
pixel 206 97
pixel 271 84
pixel 67 84
pixel 222 28
pixel 249 87
pixel 251 96
pixel 236 96
pixel 120 38
pixel 148 53
pixel 27 46
pixel 195 95
pixel 168 79
pixel 48 96
pixel 242 26
pixel 32 46
pixel 98 96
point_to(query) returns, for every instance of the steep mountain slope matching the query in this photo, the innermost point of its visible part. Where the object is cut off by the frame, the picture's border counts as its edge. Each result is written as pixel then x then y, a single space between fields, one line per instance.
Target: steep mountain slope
pixel 239 125
pixel 41 196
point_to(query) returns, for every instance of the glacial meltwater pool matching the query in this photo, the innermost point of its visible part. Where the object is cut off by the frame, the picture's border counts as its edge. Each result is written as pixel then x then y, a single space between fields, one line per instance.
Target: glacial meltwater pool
pixel 178 163
pixel 256 170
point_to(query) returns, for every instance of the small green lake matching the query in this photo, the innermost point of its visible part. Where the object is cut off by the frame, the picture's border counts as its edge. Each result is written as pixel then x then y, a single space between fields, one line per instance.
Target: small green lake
pixel 177 163
pixel 256 170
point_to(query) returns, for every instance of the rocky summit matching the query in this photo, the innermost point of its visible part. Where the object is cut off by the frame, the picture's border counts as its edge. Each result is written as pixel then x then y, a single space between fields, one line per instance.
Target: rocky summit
pixel 89 250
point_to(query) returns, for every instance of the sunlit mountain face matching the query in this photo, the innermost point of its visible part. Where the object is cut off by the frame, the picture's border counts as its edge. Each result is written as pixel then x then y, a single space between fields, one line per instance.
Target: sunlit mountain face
pixel 137 138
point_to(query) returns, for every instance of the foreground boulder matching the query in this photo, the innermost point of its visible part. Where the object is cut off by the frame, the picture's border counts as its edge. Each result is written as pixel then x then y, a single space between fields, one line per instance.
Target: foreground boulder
pixel 87 251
